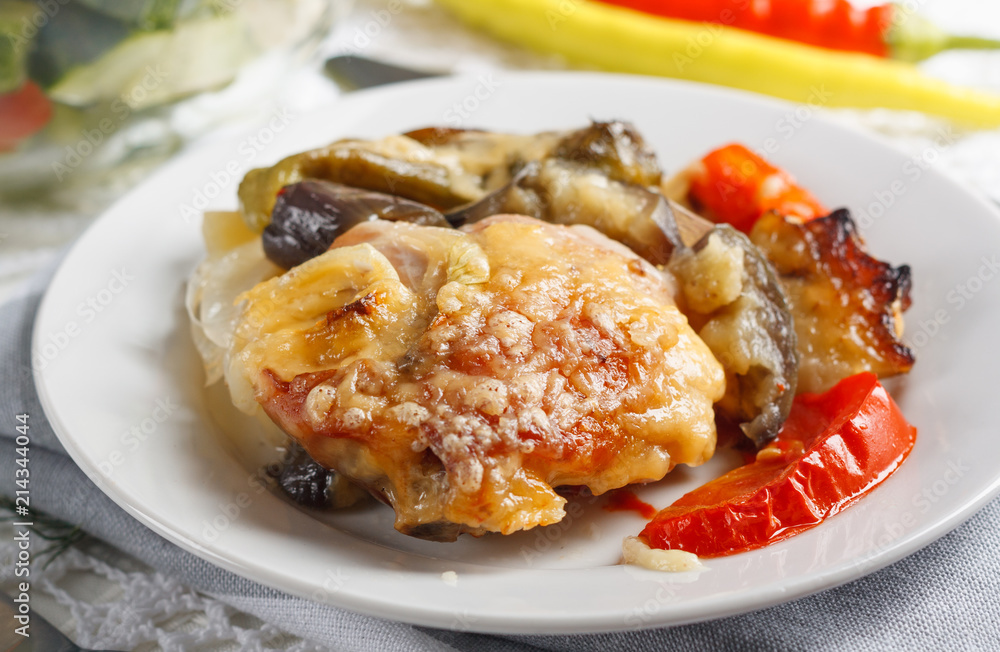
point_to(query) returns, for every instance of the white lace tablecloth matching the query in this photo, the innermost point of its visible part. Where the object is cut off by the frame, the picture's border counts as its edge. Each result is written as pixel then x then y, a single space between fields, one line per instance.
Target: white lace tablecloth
pixel 103 599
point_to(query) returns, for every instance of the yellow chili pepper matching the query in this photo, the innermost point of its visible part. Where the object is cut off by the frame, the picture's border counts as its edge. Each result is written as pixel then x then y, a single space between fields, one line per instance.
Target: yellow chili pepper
pixel 622 40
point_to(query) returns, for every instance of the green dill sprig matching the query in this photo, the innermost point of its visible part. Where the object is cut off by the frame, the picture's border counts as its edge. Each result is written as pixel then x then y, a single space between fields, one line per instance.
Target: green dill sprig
pixel 60 535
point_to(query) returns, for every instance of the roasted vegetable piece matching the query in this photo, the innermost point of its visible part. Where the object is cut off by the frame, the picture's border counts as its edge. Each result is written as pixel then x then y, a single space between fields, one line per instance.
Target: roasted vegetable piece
pixel 731 297
pixel 302 479
pixel 308 216
pixel 311 485
pixel 567 193
pixel 435 136
pixel 833 449
pixel 615 148
pixel 496 202
pixel 847 305
pixel 733 185
pixel 397 166
pixel 492 157
pixel 560 193
pixel 598 176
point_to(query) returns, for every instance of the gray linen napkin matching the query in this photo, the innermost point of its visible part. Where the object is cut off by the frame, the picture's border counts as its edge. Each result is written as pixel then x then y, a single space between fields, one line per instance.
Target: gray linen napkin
pixel 946 596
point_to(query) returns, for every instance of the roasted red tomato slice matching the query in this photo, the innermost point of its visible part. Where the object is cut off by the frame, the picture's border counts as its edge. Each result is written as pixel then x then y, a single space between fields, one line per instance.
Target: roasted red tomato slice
pixel 834 448
pixel 22 113
pixel 735 186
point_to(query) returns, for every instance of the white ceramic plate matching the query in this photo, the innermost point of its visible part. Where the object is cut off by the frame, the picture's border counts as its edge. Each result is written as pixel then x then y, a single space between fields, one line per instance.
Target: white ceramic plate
pixel 121 383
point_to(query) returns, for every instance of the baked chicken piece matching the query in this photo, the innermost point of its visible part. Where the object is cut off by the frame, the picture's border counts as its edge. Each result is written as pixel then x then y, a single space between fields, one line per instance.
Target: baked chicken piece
pixel 461 375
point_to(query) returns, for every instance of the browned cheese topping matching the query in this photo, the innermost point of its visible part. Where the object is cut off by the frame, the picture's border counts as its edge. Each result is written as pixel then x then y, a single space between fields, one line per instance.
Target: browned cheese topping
pixel 462 374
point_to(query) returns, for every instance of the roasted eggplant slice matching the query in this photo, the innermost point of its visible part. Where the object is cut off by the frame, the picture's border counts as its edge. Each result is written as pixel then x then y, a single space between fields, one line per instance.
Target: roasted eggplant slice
pixel 616 149
pixel 498 201
pixel 639 218
pixel 311 485
pixel 731 296
pixel 302 479
pixel 308 216
pixel 560 192
pixel 493 157
pixel 396 165
pixel 847 305
pixel 598 176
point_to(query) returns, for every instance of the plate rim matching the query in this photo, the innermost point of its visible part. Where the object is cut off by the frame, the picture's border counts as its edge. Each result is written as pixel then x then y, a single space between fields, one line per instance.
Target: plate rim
pixel 792 589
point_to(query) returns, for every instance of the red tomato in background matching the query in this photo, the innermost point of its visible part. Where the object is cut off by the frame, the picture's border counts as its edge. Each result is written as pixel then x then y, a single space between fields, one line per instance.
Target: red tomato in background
pixel 23 113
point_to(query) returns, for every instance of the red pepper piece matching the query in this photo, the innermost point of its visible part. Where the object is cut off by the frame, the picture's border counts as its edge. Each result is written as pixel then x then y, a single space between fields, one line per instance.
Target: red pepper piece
pixel 885 30
pixel 834 448
pixel 737 187
pixel 22 113
pixel 833 24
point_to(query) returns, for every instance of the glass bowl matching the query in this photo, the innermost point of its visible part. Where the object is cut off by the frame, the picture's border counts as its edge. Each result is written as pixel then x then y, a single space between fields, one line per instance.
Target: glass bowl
pixel 96 92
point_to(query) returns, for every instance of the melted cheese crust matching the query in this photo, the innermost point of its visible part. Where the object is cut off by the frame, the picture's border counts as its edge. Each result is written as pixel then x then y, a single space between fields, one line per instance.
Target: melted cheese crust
pixel 461 375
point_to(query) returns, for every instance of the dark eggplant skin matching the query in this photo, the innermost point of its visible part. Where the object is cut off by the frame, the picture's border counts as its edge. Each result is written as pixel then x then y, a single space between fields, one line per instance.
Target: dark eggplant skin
pixel 752 333
pixel 566 192
pixel 308 216
pixel 499 201
pixel 302 479
pixel 615 148
pixel 350 163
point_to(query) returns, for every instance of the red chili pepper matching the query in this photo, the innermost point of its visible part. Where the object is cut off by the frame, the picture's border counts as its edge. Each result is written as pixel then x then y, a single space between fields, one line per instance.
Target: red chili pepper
pixel 22 113
pixel 735 186
pixel 834 448
pixel 886 30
